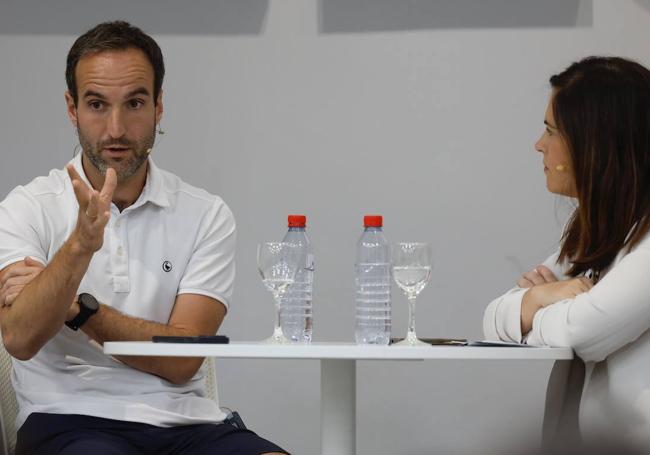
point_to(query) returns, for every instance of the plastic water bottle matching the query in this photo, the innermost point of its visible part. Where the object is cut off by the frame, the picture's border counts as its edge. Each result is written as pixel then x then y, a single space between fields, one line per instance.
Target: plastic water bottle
pixel 373 313
pixel 296 318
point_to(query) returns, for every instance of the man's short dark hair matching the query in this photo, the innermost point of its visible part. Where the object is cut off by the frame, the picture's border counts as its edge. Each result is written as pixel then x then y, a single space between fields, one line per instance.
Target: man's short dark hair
pixel 109 36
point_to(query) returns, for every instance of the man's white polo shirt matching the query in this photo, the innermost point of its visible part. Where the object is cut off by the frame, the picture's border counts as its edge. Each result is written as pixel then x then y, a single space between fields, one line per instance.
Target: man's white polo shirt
pixel 175 239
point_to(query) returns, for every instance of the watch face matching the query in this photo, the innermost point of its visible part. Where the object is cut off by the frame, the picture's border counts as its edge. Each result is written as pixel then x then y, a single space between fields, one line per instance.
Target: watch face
pixel 88 301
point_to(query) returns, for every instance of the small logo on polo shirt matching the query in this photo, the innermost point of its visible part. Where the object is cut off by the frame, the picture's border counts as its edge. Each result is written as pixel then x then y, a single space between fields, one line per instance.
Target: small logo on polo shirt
pixel 167 266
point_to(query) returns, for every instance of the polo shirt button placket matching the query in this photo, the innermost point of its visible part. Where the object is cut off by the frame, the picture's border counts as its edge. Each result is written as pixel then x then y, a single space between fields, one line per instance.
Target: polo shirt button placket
pixel 119 259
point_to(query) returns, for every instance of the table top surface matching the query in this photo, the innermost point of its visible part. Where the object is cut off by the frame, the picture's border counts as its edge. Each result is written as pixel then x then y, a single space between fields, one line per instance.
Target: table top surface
pixel 342 351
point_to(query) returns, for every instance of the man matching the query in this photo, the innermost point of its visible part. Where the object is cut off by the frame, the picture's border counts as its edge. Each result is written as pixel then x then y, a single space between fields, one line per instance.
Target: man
pixel 114 249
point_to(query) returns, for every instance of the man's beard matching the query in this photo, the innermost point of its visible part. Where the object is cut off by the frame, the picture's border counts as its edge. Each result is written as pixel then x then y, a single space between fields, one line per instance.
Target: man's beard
pixel 124 168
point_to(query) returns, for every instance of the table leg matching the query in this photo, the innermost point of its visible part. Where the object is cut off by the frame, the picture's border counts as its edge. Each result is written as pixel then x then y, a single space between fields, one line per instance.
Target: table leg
pixel 563 394
pixel 338 407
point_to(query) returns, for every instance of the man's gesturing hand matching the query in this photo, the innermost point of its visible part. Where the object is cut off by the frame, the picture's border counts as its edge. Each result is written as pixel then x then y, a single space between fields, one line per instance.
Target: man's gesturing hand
pixel 94 210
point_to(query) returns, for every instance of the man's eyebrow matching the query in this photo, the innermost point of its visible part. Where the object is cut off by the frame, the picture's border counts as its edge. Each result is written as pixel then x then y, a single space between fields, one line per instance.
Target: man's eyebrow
pixel 138 91
pixel 93 94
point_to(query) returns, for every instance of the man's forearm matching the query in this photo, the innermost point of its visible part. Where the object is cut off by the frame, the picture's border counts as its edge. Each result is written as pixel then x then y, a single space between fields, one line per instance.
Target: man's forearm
pixel 109 324
pixel 39 311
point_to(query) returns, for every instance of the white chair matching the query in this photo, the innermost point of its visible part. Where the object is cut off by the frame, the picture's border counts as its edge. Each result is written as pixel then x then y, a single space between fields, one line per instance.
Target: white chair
pixel 210 379
pixel 9 406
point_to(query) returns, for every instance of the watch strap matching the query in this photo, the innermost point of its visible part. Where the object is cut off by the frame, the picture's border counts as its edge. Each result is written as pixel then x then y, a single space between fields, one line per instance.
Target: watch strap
pixel 85 312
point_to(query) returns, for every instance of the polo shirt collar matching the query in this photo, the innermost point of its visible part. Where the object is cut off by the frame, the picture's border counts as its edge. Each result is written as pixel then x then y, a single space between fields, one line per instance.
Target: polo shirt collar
pixel 154 187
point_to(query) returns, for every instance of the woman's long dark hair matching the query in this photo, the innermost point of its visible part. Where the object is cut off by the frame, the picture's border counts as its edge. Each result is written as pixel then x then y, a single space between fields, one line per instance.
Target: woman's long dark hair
pixel 602 109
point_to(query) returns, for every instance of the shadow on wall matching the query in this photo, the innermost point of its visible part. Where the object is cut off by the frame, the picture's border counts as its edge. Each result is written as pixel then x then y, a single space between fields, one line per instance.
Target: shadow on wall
pixel 644 4
pixel 73 17
pixel 358 16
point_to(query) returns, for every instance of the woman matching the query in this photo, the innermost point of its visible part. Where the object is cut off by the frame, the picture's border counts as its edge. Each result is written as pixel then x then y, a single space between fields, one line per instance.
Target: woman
pixel 593 294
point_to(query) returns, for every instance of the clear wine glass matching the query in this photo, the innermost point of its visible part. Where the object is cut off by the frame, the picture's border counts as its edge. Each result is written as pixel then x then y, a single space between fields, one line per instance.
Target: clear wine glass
pixel 278 263
pixel 411 271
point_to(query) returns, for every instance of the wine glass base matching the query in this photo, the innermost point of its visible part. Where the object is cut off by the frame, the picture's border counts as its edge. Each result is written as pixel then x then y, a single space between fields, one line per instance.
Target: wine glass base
pixel 411 342
pixel 276 339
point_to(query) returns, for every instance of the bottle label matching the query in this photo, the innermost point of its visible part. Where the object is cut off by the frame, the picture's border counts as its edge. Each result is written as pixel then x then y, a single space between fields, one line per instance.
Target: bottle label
pixel 310 262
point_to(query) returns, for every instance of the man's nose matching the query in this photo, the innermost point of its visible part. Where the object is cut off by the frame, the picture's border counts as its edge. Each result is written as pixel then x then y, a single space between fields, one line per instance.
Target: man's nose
pixel 115 127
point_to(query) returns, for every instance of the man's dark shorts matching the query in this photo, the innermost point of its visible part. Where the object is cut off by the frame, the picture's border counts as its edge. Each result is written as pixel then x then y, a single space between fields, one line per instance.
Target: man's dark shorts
pixel 51 434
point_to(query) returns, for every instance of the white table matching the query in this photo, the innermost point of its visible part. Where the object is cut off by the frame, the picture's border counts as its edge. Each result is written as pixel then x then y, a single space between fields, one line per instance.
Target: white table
pixel 338 370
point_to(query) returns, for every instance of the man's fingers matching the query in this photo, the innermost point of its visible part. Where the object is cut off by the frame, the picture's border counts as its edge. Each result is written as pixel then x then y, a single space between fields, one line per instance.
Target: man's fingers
pixel 72 172
pixel 11 291
pixel 103 220
pixel 75 177
pixel 24 271
pixel 17 289
pixel 110 183
pixel 81 192
pixel 14 271
pixel 89 198
pixel 16 281
pixel 5 290
pixel 92 209
pixel 30 262
pixel 546 273
pixel 19 271
pixel 10 299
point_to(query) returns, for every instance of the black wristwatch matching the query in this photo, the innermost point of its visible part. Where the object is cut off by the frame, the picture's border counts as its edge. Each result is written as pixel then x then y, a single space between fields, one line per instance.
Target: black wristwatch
pixel 88 306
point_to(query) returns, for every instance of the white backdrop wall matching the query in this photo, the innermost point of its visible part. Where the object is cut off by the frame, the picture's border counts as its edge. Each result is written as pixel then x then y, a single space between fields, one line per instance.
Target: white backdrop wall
pixel 423 111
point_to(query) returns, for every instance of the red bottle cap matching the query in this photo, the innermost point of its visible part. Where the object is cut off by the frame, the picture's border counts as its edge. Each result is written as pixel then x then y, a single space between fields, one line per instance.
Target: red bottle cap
pixel 299 221
pixel 373 221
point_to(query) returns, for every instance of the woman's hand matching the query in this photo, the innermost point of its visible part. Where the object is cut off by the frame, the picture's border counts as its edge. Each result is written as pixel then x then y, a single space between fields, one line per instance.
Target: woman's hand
pixel 548 293
pixel 541 295
pixel 539 275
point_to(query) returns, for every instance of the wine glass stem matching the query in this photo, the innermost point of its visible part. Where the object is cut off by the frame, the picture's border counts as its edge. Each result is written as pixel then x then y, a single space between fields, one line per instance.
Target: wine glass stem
pixel 278 308
pixel 411 329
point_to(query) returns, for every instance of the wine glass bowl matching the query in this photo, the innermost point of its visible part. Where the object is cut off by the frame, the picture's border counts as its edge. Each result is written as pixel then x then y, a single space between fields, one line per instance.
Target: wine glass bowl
pixel 278 263
pixel 412 280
